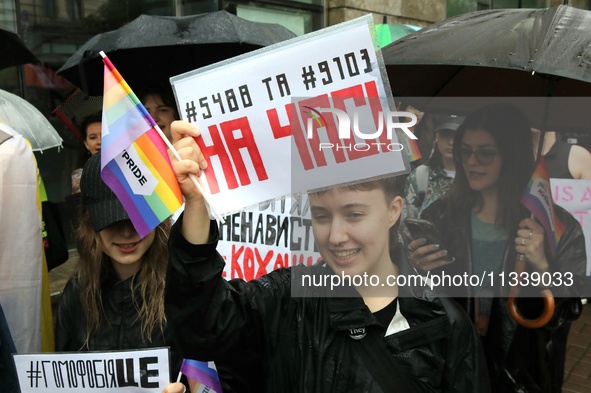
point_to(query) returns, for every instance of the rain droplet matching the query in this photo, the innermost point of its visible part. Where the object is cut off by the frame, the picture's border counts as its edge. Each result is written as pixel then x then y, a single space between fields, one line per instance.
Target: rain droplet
pixel 530 61
pixel 511 53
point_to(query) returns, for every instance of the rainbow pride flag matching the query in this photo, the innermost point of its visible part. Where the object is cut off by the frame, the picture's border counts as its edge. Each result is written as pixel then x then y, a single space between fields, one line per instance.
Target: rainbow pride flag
pixel 202 376
pixel 413 151
pixel 537 197
pixel 134 159
pixel 411 146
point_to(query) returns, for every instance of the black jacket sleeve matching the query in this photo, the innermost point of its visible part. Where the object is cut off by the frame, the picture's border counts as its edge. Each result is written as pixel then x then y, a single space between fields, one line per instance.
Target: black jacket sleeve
pixel 212 318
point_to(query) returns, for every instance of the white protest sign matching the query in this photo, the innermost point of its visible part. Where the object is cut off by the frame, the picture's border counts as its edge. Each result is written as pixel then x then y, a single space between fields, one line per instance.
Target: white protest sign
pixel 144 370
pixel 273 235
pixel 269 118
pixel 575 196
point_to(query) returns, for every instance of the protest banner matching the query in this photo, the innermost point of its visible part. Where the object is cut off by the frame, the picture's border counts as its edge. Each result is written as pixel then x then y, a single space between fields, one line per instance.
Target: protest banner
pixel 269 118
pixel 575 197
pixel 273 235
pixel 144 370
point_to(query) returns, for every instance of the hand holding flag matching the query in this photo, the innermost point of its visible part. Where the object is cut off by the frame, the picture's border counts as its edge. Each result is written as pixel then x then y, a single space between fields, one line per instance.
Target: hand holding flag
pixel 537 198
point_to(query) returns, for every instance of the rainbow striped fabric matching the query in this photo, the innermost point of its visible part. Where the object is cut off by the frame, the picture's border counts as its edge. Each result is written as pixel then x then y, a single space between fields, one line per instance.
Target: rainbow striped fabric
pixel 134 159
pixel 537 197
pixel 202 376
pixel 413 151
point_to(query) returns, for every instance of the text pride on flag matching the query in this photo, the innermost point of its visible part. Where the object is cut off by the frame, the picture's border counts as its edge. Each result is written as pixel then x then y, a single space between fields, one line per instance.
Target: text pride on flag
pixel 202 376
pixel 537 197
pixel 134 160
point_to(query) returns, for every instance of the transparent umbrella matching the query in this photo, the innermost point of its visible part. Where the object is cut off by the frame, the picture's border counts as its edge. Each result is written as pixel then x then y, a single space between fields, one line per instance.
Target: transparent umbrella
pixel 25 119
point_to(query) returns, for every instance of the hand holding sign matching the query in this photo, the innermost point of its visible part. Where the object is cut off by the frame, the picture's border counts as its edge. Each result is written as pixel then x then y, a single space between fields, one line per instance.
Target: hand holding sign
pixel 192 162
pixel 299 116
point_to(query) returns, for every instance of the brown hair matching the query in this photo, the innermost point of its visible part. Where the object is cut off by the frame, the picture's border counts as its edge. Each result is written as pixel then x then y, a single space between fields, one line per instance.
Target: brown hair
pixel 94 266
pixel 164 91
pixel 511 131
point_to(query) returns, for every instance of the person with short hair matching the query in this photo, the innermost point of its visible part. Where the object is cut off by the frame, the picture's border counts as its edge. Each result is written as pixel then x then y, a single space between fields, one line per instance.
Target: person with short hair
pixel 91 129
pixel 313 338
pixel 430 181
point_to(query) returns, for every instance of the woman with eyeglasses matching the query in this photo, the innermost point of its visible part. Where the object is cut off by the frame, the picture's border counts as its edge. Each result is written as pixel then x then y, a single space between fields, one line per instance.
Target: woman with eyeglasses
pixel 485 228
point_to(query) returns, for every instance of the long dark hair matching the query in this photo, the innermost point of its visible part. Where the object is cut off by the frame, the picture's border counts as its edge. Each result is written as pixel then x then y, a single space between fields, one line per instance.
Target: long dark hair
pixel 88 120
pixel 435 162
pixel 164 90
pixel 512 133
pixel 148 294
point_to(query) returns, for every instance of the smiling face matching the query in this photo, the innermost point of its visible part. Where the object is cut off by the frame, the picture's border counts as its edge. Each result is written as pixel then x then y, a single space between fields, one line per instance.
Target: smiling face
pixel 481 160
pixel 351 229
pixel 123 245
pixel 162 114
pixel 93 137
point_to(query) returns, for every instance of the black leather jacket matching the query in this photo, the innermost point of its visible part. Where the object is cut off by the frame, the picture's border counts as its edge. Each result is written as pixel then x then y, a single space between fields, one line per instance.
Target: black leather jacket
pixel 119 329
pixel 519 359
pixel 303 344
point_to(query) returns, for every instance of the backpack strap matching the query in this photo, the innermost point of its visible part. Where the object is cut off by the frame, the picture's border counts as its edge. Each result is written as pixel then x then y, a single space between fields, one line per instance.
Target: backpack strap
pixel 422 178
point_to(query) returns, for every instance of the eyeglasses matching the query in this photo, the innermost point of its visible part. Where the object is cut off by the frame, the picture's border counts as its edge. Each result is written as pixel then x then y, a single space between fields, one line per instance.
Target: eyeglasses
pixel 483 156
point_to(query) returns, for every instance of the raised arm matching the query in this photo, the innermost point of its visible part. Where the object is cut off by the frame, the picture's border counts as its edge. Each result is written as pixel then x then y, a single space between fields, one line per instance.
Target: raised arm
pixel 196 221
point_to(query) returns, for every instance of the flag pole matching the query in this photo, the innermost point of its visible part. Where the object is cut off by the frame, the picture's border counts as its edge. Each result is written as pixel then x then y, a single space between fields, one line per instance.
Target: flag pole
pixel 218 216
pixel 206 196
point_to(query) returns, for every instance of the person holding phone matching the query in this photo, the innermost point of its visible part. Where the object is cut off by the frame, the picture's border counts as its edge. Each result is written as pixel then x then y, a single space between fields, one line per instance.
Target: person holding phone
pixel 313 337
pixel 484 226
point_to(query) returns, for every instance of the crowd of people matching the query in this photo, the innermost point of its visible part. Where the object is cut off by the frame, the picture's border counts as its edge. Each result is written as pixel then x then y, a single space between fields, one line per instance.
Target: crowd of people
pixel 274 334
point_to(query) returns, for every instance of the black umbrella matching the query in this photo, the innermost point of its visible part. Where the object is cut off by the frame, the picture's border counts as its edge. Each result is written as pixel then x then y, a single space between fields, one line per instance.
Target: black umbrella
pixel 14 52
pixel 151 49
pixel 494 53
pixel 500 53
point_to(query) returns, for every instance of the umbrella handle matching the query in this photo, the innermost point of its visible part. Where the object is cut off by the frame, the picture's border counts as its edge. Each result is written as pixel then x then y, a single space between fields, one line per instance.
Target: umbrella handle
pixel 549 303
